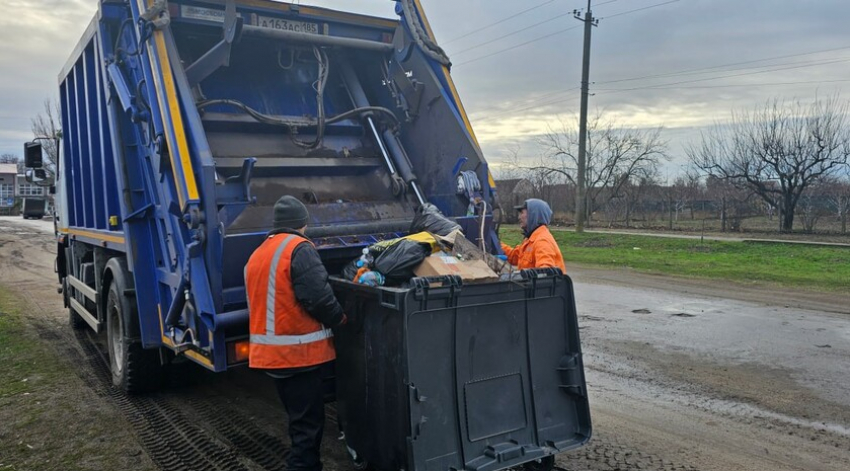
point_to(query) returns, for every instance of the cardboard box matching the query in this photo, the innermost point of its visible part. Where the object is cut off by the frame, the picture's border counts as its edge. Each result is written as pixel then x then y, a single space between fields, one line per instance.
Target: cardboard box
pixel 440 264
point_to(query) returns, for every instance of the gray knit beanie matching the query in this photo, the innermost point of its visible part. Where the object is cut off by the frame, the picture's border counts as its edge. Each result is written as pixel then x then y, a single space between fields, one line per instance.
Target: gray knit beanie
pixel 290 213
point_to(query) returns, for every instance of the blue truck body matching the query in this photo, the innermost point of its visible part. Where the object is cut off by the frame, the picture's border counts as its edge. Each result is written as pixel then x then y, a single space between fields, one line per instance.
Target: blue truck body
pixel 186 192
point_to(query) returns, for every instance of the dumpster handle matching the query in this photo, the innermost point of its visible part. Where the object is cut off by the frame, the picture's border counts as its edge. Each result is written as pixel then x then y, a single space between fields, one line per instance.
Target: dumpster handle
pixel 436 287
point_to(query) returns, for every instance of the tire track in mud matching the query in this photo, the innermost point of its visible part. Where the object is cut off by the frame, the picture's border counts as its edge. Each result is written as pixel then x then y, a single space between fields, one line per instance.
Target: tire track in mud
pixel 241 433
pixel 185 432
pixel 167 434
pixel 604 453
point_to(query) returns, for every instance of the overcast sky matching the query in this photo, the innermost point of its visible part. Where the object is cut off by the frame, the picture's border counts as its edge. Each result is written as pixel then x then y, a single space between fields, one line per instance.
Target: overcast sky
pixel 703 58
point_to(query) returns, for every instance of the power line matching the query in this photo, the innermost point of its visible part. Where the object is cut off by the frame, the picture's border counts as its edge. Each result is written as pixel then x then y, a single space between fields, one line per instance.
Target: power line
pixel 608 91
pixel 636 10
pixel 528 108
pixel 476 59
pixel 508 18
pixel 753 84
pixel 522 30
pixel 605 3
pixel 800 63
pixel 517 46
pixel 694 72
pixel 663 85
pixel 543 97
pixel 688 71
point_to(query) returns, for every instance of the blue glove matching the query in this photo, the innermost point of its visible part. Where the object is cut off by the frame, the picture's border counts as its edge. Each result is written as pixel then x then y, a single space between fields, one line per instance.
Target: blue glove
pixel 503 258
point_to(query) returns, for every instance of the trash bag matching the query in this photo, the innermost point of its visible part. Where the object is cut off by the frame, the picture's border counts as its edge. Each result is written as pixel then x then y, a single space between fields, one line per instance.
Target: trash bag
pixel 422 237
pixel 429 218
pixel 350 271
pixel 399 260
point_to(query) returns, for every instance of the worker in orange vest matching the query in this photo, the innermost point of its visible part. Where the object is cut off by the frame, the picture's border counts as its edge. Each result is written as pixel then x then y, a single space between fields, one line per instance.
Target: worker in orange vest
pixel 291 309
pixel 538 249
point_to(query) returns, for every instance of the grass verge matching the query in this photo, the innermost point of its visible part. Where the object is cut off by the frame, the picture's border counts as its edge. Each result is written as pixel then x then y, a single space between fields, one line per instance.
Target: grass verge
pixel 795 266
pixel 49 419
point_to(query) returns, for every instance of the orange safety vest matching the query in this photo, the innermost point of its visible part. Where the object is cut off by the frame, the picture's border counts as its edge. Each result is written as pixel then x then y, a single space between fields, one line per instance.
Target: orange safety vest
pixel 283 334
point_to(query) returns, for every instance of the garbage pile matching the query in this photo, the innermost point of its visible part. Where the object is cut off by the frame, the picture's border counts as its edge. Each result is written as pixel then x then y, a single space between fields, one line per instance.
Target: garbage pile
pixel 435 247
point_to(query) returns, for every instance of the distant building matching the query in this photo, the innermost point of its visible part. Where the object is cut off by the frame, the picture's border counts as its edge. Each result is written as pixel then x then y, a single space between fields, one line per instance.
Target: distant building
pixel 8 178
pixel 25 188
pixel 513 193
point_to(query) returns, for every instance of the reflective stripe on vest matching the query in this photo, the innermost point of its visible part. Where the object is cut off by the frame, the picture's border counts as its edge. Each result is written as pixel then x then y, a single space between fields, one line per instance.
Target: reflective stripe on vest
pixel 270 338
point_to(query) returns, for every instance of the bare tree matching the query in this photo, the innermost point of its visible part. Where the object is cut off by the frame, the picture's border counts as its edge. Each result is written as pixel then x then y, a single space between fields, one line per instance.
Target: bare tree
pixel 538 172
pixel 695 189
pixel 778 150
pixel 809 209
pixel 682 194
pixel 769 210
pixel 731 202
pixel 837 192
pixel 47 126
pixel 635 194
pixel 616 156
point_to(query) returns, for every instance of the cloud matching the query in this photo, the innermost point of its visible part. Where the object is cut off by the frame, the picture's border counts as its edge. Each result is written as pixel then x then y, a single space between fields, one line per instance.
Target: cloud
pixel 36 37
pixel 514 94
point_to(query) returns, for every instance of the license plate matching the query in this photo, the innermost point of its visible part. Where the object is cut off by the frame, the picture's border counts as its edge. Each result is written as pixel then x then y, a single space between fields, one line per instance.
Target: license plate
pixel 288 25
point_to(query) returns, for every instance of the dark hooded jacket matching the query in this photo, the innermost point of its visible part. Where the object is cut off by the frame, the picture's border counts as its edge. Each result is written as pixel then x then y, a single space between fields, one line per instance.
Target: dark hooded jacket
pixel 538 249
pixel 539 214
pixel 310 283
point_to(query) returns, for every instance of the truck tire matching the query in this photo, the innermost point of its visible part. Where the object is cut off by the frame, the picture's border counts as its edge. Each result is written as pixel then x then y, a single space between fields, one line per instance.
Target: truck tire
pixel 77 322
pixel 74 319
pixel 134 369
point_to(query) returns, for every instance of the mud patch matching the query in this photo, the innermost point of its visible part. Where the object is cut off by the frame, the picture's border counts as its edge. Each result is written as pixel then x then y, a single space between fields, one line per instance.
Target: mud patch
pixel 772 388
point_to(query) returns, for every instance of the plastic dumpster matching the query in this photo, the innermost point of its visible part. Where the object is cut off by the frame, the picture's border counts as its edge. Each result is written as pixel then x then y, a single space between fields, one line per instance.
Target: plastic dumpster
pixel 444 375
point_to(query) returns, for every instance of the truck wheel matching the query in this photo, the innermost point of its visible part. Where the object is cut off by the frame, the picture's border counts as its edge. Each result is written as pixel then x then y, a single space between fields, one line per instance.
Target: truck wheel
pixel 546 463
pixel 134 369
pixel 74 319
pixel 77 322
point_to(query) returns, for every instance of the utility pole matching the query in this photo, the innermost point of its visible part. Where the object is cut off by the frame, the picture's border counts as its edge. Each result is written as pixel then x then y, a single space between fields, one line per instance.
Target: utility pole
pixel 581 177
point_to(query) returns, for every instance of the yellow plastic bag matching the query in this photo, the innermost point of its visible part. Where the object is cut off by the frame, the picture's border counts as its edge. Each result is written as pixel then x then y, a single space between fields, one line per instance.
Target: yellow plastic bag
pixel 421 237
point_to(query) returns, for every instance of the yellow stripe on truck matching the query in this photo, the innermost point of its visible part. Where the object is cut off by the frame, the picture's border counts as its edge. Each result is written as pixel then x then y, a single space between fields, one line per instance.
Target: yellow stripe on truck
pixel 176 120
pixel 96 235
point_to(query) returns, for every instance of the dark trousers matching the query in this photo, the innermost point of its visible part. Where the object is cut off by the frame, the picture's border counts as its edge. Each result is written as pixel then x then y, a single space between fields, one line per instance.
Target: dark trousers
pixel 301 395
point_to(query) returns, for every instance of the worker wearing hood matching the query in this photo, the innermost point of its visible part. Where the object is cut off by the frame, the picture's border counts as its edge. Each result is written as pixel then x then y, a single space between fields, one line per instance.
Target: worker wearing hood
pixel 538 249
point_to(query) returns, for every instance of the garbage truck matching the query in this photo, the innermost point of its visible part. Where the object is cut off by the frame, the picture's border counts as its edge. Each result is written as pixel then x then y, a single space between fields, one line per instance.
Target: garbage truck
pixel 185 120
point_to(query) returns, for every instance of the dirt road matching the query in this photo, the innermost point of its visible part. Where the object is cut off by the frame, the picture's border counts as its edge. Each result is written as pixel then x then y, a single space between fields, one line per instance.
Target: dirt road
pixel 680 378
